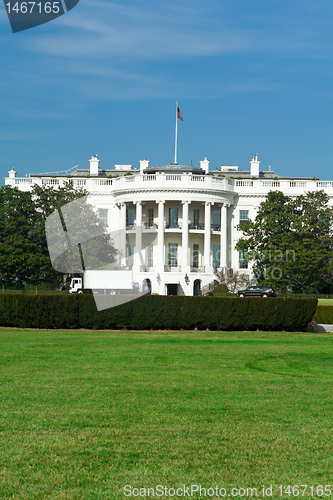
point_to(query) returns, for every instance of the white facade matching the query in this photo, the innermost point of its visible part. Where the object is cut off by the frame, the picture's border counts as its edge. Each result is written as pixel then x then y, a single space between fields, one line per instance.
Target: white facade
pixel 181 220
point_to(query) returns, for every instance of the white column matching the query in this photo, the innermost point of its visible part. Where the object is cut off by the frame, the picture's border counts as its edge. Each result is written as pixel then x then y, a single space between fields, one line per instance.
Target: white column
pixel 185 266
pixel 138 260
pixel 234 263
pixel 160 237
pixel 123 233
pixel 224 242
pixel 207 250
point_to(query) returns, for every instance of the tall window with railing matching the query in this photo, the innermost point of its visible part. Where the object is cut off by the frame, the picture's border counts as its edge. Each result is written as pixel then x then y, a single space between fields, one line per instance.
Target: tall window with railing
pixel 196 216
pixel 150 255
pixel 173 217
pixel 129 255
pixel 173 255
pixel 103 215
pixel 130 217
pixel 150 217
pixel 216 256
pixel 217 220
pixel 195 255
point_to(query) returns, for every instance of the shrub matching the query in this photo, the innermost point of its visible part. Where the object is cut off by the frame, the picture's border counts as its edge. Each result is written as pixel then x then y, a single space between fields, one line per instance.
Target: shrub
pixel 221 288
pixel 324 314
pixel 153 312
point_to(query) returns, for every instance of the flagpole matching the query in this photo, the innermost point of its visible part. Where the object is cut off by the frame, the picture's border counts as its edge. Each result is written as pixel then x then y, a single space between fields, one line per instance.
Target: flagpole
pixel 176 132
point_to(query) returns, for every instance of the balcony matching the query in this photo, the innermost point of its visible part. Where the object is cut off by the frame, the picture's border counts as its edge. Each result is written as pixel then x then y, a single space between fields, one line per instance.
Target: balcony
pixel 172 269
pixel 216 227
pixel 197 269
pixel 149 225
pixel 199 227
pixel 146 269
pixel 173 225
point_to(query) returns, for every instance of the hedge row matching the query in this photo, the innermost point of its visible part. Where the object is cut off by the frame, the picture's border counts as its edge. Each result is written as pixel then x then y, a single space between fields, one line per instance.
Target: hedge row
pixel 324 315
pixel 157 313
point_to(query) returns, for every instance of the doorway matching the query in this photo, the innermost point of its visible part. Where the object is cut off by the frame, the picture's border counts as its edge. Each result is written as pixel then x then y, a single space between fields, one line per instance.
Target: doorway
pixel 172 289
pixel 146 286
pixel 197 287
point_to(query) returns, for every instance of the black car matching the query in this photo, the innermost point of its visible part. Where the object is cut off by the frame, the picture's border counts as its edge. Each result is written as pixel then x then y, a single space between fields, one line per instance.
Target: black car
pixel 257 291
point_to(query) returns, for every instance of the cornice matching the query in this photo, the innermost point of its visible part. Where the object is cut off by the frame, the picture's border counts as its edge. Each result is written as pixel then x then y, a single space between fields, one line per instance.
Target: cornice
pixel 171 191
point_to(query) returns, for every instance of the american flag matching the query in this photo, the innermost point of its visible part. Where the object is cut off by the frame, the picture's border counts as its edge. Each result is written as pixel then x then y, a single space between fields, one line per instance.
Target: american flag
pixel 179 114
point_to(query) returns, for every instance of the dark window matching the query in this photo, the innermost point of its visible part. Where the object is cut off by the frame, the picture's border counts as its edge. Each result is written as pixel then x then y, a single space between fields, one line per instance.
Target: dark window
pixel 217 219
pixel 173 255
pixel 216 256
pixel 242 259
pixel 243 216
pixel 195 256
pixel 130 217
pixel 196 214
pixel 173 217
pixel 150 217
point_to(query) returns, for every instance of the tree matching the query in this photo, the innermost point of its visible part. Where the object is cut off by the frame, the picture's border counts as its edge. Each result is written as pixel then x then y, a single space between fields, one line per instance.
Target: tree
pixel 233 280
pixel 24 253
pixel 47 200
pixel 290 242
pixel 21 257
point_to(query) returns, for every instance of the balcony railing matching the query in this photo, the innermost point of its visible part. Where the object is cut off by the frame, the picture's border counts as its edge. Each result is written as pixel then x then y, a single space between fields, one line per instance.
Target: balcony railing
pixel 149 177
pixel 146 269
pixel 197 269
pixel 172 225
pixel 196 226
pixel 172 269
pixel 102 182
pixel 216 227
pixel 130 226
pixel 23 180
pixel 149 225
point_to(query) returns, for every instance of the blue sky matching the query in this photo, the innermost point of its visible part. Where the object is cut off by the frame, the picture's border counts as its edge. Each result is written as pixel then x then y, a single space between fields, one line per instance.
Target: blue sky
pixel 251 76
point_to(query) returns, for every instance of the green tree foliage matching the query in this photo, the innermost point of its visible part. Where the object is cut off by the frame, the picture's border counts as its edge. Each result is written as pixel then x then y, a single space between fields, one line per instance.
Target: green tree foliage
pixel 21 256
pixel 290 241
pixel 47 200
pixel 24 252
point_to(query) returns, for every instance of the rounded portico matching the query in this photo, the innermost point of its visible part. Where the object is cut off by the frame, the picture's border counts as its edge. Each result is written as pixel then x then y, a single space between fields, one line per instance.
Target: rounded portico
pixel 174 236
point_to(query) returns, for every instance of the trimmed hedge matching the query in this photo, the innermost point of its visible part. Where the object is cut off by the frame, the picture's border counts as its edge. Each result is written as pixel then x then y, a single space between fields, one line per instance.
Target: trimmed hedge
pixel 153 312
pixel 324 315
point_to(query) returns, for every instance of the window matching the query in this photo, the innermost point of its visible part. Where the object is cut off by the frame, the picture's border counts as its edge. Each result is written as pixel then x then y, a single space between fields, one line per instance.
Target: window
pixel 195 255
pixel 217 220
pixel 130 217
pixel 129 255
pixel 103 216
pixel 242 259
pixel 216 256
pixel 196 214
pixel 243 216
pixel 150 255
pixel 173 217
pixel 150 217
pixel 173 255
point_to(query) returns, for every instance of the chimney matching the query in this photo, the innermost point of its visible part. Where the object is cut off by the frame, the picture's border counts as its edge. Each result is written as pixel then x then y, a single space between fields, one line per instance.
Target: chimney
pixel 254 163
pixel 12 173
pixel 143 165
pixel 205 165
pixel 94 165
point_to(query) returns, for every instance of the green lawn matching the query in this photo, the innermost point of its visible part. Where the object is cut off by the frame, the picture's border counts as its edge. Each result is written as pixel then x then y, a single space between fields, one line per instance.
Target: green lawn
pixel 325 302
pixel 83 414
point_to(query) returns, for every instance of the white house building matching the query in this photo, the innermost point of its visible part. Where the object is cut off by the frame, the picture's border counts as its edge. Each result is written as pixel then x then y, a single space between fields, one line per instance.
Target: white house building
pixel 180 220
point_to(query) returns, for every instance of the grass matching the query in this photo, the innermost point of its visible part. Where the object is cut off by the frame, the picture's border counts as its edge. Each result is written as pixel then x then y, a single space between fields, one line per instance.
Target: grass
pixel 83 414
pixel 325 302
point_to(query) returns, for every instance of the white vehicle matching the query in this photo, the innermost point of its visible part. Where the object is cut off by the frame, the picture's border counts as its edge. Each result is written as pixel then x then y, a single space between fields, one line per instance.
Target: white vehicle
pixel 103 282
